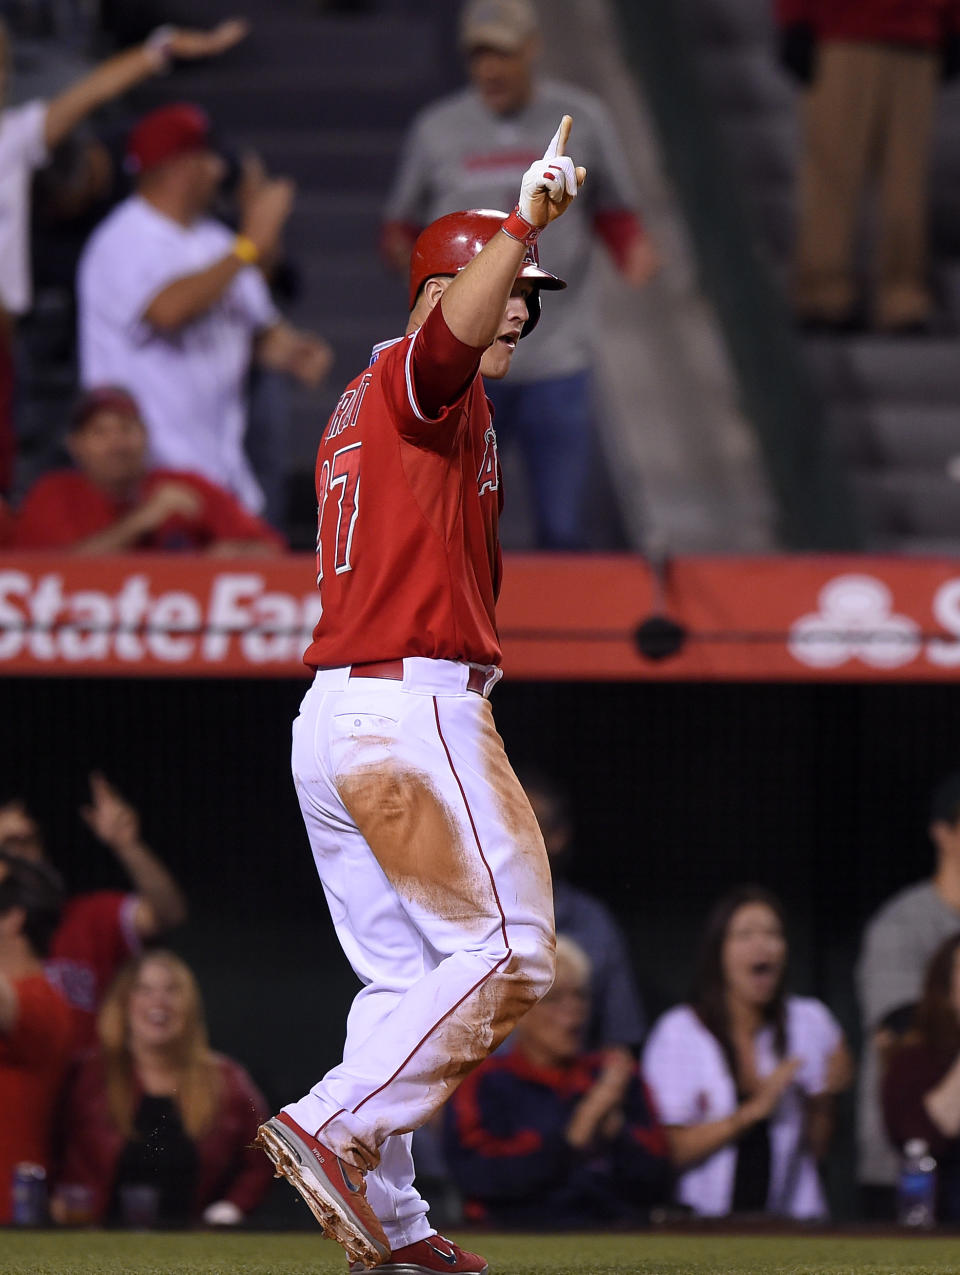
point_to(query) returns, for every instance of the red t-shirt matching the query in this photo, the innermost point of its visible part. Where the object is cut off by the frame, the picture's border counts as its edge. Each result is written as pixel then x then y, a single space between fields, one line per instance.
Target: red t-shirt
pixel 95 936
pixel 921 22
pixel 63 508
pixel 33 1059
pixel 408 490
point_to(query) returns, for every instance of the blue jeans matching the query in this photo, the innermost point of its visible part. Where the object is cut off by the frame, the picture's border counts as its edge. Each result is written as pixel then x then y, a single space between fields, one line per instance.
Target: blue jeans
pixel 551 422
pixel 267 442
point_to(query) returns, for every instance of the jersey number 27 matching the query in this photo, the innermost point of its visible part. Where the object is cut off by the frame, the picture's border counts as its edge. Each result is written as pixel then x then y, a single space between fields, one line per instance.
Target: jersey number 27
pixel 340 474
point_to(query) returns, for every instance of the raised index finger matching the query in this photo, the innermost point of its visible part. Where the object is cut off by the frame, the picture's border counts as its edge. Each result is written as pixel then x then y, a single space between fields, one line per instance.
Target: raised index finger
pixel 558 143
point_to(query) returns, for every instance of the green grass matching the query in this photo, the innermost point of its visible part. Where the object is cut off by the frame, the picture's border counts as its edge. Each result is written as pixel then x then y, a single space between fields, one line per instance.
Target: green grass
pixel 112 1253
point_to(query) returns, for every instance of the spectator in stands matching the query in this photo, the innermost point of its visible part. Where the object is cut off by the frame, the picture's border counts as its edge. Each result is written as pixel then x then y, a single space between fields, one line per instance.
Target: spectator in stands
pixel 173 306
pixel 112 503
pixel 154 1106
pixel 548 1136
pixel 27 135
pixel 898 942
pixel 921 1084
pixel 744 1075
pixel 871 69
pixel 35 1027
pixel 470 150
pixel 98 931
pixel 616 1013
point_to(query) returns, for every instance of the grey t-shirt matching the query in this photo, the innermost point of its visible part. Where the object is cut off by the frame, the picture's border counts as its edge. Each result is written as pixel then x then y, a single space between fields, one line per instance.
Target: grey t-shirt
pixel 898 943
pixel 458 154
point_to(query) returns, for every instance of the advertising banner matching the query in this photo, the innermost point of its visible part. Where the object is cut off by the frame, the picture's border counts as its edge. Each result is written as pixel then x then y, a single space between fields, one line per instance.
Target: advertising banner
pixel 561 617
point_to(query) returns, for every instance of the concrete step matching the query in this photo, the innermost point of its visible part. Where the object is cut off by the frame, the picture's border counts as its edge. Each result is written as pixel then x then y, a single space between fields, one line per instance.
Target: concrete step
pixel 744 77
pixel 774 216
pixel 332 45
pixel 908 504
pixel 877 369
pixel 731 22
pixel 345 160
pixel 916 436
pixel 764 147
pixel 274 98
pixel 352 283
pixel 325 222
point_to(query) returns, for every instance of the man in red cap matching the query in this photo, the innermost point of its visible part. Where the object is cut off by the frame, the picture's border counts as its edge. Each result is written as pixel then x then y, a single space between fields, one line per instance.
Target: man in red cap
pixel 112 503
pixel 30 132
pixel 173 306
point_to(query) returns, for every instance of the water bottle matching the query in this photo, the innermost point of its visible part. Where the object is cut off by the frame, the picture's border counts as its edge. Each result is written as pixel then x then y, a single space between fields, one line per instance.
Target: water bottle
pixel 29 1195
pixel 917 1188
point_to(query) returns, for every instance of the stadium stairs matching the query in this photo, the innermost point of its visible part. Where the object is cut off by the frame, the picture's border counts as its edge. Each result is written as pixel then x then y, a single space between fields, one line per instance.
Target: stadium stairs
pixel 893 404
pixel 324 93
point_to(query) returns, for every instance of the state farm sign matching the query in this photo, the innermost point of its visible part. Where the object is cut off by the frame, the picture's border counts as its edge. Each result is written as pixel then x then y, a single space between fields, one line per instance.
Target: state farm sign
pixel 857 620
pixel 234 617
pixel 560 617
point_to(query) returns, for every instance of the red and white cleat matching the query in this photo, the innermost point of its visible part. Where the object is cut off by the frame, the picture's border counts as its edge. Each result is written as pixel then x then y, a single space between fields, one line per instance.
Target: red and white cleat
pixel 429 1256
pixel 333 1189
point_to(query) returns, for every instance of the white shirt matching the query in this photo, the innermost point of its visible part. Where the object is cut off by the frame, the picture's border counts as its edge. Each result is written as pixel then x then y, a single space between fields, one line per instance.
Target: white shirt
pixel 691 1084
pixel 22 149
pixel 189 383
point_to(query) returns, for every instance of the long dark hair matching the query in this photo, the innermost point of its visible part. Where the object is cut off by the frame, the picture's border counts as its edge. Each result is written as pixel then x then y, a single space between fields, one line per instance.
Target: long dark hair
pixel 935 1023
pixel 709 994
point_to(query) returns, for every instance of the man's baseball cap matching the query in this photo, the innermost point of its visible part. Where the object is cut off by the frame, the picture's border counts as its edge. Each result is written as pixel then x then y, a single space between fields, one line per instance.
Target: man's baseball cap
pixel 505 25
pixel 102 398
pixel 167 132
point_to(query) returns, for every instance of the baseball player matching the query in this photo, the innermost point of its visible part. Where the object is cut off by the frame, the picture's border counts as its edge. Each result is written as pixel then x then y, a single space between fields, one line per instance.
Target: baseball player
pixel 430 856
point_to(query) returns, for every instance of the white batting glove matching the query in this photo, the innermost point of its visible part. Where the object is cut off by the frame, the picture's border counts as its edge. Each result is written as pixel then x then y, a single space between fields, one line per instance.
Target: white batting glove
pixel 546 189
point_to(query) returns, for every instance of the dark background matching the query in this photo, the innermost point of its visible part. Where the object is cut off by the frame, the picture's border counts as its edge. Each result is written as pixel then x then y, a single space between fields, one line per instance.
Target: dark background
pixel 678 791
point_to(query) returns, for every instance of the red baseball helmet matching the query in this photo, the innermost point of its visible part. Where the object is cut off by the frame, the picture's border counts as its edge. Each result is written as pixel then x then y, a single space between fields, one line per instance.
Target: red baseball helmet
pixel 450 242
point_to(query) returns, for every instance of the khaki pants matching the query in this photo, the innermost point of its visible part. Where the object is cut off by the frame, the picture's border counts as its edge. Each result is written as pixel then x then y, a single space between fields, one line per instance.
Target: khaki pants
pixel 868 115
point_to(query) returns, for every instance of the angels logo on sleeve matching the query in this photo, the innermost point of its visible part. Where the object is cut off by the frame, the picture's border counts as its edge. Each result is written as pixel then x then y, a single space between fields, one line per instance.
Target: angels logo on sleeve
pixel 488 479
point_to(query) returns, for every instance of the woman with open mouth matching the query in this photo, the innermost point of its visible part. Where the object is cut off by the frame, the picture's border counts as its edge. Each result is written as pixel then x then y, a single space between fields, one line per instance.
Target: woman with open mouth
pixel 745 1075
pixel 157 1128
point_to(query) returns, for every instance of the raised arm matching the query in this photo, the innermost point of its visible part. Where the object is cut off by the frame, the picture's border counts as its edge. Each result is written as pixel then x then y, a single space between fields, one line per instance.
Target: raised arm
pixel 192 295
pixel 115 822
pixel 474 302
pixel 131 67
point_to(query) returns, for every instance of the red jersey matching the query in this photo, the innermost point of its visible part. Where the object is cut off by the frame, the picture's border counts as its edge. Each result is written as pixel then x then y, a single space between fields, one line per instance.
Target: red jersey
pixel 925 23
pixel 408 491
pixel 95 936
pixel 33 1059
pixel 63 508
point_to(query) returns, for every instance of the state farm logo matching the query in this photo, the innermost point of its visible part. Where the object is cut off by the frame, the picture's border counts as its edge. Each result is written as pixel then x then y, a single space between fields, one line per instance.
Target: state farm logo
pixel 856 621
pixel 235 615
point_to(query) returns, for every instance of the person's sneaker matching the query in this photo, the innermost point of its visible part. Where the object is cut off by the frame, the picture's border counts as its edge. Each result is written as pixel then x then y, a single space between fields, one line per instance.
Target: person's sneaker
pixel 428 1256
pixel 334 1190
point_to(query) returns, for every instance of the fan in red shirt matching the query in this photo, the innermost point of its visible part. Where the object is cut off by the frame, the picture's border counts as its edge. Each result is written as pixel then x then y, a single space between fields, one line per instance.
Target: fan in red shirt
pixel 113 503
pixel 429 853
pixel 35 1027
pixel 100 929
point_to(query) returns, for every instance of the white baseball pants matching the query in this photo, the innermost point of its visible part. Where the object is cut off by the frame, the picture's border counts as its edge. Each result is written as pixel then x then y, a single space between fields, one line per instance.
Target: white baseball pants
pixel 439 888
